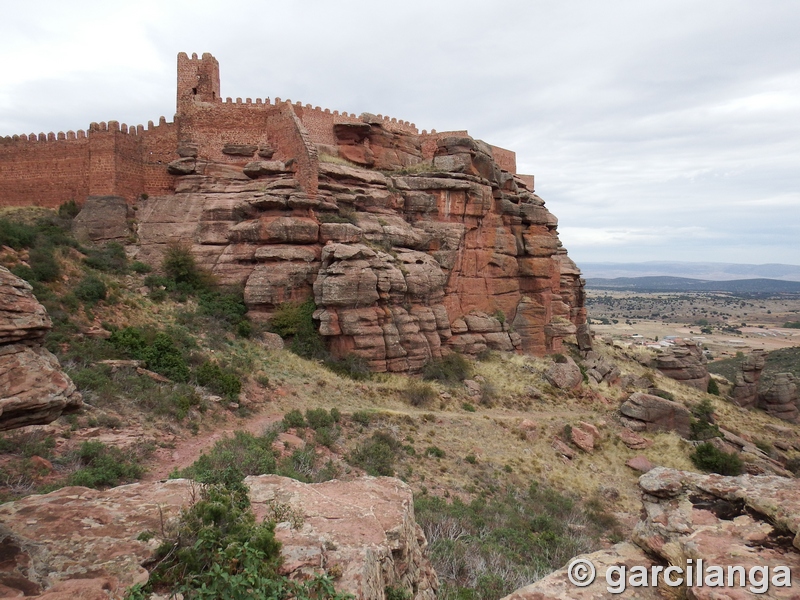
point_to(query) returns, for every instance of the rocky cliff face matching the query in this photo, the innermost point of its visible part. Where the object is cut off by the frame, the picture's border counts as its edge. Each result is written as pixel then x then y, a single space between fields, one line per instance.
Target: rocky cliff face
pixel 33 388
pixel 82 543
pixel 748 521
pixel 403 264
pixel 685 362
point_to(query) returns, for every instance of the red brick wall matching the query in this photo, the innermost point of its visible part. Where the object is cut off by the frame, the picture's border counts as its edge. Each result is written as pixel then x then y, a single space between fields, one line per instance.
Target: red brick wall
pixel 44 173
pixel 507 159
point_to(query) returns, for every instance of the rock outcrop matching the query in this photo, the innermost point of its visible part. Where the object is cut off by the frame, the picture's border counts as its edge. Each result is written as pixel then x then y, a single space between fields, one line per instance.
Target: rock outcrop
pixel 746 521
pixel 685 362
pixel 33 388
pixel 81 539
pixel 645 412
pixel 403 264
pixel 745 388
pixel 779 398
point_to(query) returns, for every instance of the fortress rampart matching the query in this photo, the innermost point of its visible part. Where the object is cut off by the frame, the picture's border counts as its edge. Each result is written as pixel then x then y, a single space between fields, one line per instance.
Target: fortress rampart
pixel 115 159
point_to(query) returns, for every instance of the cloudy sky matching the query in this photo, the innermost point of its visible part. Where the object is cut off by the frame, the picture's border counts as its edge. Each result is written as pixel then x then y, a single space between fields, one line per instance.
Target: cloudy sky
pixel 657 130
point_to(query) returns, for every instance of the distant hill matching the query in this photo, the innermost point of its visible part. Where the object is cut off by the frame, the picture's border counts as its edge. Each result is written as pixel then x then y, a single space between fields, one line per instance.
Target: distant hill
pixel 685 284
pixel 695 270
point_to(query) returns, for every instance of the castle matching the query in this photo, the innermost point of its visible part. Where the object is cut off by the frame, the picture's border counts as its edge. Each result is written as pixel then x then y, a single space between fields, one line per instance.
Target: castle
pixel 113 159
pixel 411 244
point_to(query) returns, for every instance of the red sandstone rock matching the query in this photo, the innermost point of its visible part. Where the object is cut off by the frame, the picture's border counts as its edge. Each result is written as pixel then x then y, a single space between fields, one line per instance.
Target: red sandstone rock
pixel 582 439
pixel 685 363
pixel 643 412
pixel 33 388
pixel 633 440
pixel 81 543
pixel 640 463
pixel 565 376
pixel 408 261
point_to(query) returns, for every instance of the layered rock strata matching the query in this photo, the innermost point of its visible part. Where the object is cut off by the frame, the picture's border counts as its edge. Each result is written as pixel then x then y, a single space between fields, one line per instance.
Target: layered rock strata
pixel 429 255
pixel 779 398
pixel 33 388
pixel 685 362
pixel 745 388
pixel 86 542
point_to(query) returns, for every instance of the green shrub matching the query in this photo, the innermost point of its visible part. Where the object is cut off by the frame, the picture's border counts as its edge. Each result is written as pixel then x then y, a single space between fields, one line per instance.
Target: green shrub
pixel 234 458
pixel 468 407
pixel 111 258
pixel 377 455
pixel 44 265
pixel 91 289
pixel 17 235
pixel 792 325
pixel 362 417
pixel 131 341
pixel 27 444
pixel 69 210
pixel 419 394
pixel 434 451
pixel 327 436
pixel 318 418
pixel 104 466
pixel 293 419
pixel 471 459
pixel 450 369
pixel 493 545
pixel 296 322
pixel 713 387
pixel 219 551
pixel 393 593
pixel 162 356
pixel 140 267
pixel 180 266
pixel 351 365
pixel 220 380
pixel 710 458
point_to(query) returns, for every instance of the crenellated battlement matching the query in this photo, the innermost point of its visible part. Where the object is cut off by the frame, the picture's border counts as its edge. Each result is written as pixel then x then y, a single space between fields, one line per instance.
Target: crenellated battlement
pixel 110 157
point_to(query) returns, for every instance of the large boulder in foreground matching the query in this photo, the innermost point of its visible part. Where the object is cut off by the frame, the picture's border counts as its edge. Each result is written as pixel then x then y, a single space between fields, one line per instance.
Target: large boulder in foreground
pixel 33 388
pixel 82 541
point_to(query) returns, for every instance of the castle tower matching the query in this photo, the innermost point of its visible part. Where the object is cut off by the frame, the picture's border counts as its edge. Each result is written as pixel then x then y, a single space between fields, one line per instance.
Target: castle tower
pixel 198 79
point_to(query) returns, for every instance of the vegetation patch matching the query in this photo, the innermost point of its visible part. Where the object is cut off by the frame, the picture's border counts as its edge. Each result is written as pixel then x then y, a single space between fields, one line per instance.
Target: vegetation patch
pixel 713 460
pixel 450 369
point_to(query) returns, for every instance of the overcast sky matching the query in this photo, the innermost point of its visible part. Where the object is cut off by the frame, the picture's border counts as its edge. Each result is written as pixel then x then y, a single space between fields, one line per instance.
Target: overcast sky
pixel 657 130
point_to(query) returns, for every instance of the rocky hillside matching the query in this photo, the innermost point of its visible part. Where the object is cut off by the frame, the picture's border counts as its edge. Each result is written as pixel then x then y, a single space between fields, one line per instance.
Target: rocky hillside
pixel 403 263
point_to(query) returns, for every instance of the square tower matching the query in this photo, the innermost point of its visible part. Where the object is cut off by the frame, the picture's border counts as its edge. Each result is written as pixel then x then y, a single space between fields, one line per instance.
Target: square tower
pixel 198 80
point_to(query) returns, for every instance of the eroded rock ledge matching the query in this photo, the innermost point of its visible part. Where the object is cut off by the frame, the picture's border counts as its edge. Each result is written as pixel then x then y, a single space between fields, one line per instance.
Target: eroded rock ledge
pixel 403 263
pixel 33 388
pixel 78 542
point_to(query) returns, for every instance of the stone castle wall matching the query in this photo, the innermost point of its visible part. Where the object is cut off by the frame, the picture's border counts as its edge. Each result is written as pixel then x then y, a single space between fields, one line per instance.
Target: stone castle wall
pixel 113 159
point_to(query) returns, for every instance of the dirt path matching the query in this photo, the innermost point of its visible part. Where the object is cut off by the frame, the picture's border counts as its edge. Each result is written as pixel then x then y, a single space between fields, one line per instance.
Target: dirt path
pixel 188 449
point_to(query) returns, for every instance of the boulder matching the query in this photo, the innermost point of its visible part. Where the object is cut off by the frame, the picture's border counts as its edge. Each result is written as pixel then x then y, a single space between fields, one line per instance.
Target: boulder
pixel 21 315
pixel 685 363
pixel 239 149
pixel 263 167
pixel 745 388
pixel 77 540
pixel 644 412
pixel 33 388
pixel 780 397
pixel 564 376
pixel 103 219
